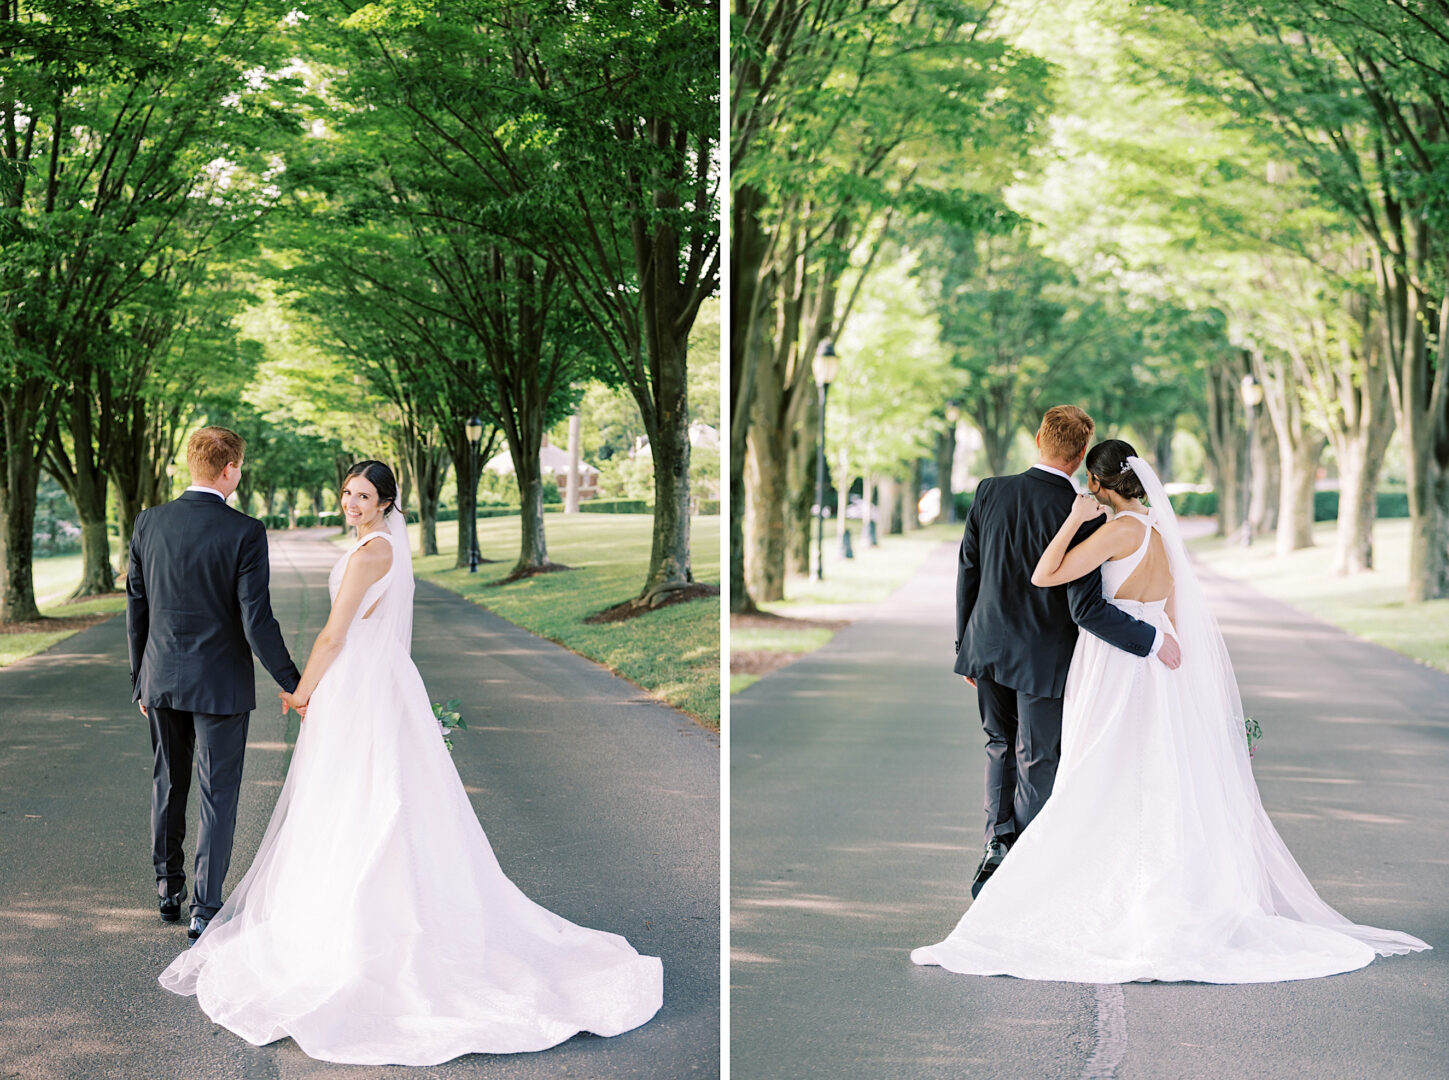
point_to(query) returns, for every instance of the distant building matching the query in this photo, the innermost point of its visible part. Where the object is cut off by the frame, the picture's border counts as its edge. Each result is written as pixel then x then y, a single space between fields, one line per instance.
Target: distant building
pixel 553 462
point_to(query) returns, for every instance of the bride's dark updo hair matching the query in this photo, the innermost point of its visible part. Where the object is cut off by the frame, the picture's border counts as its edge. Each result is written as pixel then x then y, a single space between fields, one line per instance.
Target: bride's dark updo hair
pixel 1107 461
pixel 380 477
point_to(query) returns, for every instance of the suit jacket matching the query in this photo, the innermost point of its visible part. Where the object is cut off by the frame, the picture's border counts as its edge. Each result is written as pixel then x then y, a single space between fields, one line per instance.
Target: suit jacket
pixel 197 607
pixel 1008 629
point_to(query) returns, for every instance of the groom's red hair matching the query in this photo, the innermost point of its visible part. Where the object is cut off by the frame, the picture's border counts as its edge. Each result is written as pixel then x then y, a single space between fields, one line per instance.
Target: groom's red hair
pixel 211 450
pixel 1064 433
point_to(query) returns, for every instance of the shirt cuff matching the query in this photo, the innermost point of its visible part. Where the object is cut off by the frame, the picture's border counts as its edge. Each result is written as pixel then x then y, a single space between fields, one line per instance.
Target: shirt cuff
pixel 1156 644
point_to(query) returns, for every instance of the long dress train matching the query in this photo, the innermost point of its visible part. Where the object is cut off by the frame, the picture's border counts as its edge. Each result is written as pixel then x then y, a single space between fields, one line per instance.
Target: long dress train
pixel 1153 858
pixel 375 925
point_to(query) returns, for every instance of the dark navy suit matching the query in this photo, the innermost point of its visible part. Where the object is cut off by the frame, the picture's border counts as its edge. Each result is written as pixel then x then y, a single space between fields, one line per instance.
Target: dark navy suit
pixel 197 607
pixel 1016 640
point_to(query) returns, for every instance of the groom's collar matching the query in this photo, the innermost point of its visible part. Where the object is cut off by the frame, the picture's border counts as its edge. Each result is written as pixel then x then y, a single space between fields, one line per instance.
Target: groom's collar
pixel 202 489
pixel 1053 471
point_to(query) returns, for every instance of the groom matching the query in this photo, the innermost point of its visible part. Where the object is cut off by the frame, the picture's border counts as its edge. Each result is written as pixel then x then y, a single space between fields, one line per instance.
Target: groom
pixel 1014 641
pixel 197 607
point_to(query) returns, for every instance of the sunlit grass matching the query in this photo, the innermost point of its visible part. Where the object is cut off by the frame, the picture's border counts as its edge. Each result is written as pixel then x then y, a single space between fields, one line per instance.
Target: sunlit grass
pixel 775 639
pixel 871 576
pixel 868 578
pixel 673 652
pixel 1369 605
pixel 15 647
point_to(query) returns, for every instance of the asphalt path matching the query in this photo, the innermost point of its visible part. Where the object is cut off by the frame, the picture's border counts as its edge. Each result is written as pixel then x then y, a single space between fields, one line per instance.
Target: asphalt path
pixel 856 823
pixel 600 802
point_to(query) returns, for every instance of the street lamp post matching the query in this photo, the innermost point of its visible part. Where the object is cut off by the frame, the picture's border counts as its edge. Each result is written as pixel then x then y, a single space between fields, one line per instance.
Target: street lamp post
pixel 1252 398
pixel 474 430
pixel 826 364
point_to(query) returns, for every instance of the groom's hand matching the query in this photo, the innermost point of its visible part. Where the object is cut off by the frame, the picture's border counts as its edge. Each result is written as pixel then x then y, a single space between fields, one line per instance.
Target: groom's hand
pixel 1170 653
pixel 144 712
pixel 969 680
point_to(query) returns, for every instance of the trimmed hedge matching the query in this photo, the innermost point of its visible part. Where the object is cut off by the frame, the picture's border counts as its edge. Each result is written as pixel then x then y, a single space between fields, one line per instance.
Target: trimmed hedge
pixel 615 506
pixel 709 506
pixel 1194 503
pixel 1391 504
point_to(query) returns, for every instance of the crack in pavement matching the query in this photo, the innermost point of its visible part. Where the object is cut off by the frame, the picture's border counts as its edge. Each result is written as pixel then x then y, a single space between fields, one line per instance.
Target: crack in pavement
pixel 1111 1036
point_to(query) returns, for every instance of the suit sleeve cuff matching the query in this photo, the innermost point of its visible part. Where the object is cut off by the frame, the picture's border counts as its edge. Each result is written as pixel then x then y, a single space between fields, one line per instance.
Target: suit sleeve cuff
pixel 1156 644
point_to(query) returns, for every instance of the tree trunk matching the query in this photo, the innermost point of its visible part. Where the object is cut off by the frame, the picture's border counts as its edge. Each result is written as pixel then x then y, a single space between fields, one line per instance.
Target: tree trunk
pixel 890 506
pixel 1358 475
pixel 842 502
pixel 945 459
pixel 764 525
pixel 1266 477
pixel 460 451
pixel 430 491
pixel 89 498
pixel 998 448
pixel 467 472
pixel 533 549
pixel 800 521
pixel 670 562
pixel 748 247
pixel 741 602
pixel 129 505
pixel 1224 431
pixel 911 498
pixel 1421 428
pixel 1162 451
pixel 1295 501
pixel 20 479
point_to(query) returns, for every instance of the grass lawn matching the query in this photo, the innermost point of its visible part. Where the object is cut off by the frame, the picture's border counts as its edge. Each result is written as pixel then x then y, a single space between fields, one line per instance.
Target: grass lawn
pixel 674 652
pixel 18 646
pixel 803 621
pixel 1369 605
pixel 55 579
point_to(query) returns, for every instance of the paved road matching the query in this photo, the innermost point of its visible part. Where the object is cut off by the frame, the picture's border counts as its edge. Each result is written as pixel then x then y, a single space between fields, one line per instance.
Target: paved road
pixel 856 814
pixel 601 804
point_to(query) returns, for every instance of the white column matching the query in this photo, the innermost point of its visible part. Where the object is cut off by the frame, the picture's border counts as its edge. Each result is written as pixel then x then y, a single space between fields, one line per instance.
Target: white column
pixel 571 494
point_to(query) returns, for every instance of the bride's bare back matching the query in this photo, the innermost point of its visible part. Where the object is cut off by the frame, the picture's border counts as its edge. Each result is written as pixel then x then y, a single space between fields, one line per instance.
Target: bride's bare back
pixel 1151 579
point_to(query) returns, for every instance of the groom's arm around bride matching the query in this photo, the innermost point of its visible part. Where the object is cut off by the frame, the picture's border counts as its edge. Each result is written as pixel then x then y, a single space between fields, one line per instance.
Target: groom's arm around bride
pixel 1014 641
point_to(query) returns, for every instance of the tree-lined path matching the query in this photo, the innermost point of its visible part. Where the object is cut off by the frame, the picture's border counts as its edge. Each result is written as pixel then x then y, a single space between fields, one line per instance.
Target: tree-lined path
pixel 856 825
pixel 601 803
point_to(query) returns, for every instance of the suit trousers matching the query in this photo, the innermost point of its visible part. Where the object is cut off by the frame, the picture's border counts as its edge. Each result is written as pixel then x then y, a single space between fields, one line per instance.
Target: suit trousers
pixel 218 744
pixel 1023 748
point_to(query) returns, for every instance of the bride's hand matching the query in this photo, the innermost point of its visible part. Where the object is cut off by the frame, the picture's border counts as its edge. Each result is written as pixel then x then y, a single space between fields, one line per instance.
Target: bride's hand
pixel 1085 508
pixel 290 702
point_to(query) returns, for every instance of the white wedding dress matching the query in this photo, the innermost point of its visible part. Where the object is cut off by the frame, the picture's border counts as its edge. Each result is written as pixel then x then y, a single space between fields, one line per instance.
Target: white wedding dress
pixel 1153 858
pixel 375 925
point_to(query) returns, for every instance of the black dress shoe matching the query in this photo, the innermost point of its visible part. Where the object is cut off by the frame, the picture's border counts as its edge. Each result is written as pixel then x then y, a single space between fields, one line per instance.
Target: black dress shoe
pixel 996 849
pixel 198 927
pixel 170 905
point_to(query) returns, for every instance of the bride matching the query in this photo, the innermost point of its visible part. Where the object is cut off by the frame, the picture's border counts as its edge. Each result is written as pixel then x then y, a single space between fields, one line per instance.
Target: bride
pixel 1153 858
pixel 375 925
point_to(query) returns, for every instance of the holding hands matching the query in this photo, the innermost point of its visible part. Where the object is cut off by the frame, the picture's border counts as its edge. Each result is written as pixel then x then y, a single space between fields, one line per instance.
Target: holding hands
pixel 289 701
